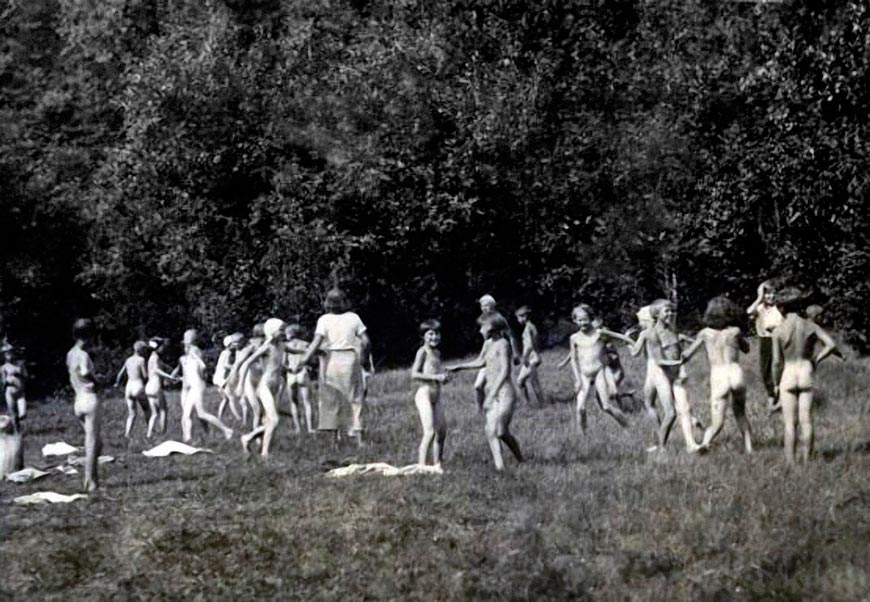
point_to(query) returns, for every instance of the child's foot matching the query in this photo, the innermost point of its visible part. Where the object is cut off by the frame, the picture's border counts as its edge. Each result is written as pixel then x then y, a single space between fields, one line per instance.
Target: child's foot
pixel 245 441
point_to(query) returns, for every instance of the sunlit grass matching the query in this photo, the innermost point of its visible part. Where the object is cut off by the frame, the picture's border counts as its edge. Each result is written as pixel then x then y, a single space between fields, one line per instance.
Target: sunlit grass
pixel 595 517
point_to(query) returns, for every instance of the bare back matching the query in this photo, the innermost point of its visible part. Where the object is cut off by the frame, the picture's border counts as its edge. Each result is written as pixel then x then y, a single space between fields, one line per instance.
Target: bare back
pixel 723 346
pixel 136 370
pixel 498 358
pixel 273 365
pixel 797 337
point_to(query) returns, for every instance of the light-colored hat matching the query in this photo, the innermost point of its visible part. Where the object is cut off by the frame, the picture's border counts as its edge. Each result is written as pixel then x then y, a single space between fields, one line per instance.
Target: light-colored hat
pixel 228 340
pixel 487 299
pixel 190 336
pixel 272 327
pixel 644 314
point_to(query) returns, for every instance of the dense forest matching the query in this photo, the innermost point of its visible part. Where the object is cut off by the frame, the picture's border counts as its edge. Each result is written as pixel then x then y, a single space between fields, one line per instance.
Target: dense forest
pixel 176 163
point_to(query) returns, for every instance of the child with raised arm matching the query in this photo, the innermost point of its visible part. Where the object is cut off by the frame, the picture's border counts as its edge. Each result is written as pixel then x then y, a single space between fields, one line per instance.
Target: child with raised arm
pixel 13 376
pixel 272 381
pixel 222 370
pixel 530 359
pixel 662 344
pixel 193 387
pixel 86 405
pixel 501 394
pixel 428 373
pixel 157 371
pixel 767 317
pixel 724 341
pixel 134 393
pixel 794 364
pixel 245 389
pixel 298 383
pixel 588 363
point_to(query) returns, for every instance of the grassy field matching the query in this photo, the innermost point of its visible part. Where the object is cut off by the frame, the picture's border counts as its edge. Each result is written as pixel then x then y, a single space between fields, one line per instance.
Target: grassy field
pixel 594 518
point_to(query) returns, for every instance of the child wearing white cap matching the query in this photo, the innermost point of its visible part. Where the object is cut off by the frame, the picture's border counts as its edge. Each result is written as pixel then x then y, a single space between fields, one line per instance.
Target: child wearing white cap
pixel 272 383
pixel 222 371
pixel 157 371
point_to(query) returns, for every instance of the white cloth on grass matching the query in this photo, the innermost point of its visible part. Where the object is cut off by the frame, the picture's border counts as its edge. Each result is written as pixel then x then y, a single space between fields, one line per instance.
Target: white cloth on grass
pixel 384 469
pixel 61 448
pixel 48 497
pixel 66 469
pixel 80 460
pixel 173 447
pixel 26 474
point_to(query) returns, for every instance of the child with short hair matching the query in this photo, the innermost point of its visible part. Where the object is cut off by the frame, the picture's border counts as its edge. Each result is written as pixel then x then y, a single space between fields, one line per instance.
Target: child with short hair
pixel 530 359
pixel 271 384
pixel 86 405
pixel 501 394
pixel 767 317
pixel 298 383
pixel 588 363
pixel 157 371
pixel 13 376
pixel 134 393
pixel 487 310
pixel 428 372
pixel 193 387
pixel 245 388
pixel 724 341
pixel 231 344
pixel 794 364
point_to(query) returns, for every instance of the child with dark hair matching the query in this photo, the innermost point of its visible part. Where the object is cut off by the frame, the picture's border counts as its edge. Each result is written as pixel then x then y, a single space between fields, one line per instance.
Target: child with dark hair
pixel 13 376
pixel 767 317
pixel 530 359
pixel 87 404
pixel 794 364
pixel 298 383
pixel 501 393
pixel 724 341
pixel 428 372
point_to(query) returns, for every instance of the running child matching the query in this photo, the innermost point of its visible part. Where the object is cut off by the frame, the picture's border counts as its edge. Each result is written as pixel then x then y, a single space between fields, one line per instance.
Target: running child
pixel 86 405
pixel 245 388
pixel 157 372
pixel 427 371
pixel 134 393
pixel 724 341
pixel 222 371
pixel 298 383
pixel 193 387
pixel 501 393
pixel 530 359
pixel 588 363
pixel 794 364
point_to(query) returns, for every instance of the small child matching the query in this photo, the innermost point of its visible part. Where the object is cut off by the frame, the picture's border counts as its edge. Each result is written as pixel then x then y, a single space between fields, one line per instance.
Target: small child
pixel 530 359
pixel 501 393
pixel 157 371
pixel 589 361
pixel 134 392
pixel 428 372
pixel 724 342
pixel 13 375
pixel 271 385
pixel 488 310
pixel 767 318
pixel 222 371
pixel 245 387
pixel 87 404
pixel 193 387
pixel 794 364
pixel 298 383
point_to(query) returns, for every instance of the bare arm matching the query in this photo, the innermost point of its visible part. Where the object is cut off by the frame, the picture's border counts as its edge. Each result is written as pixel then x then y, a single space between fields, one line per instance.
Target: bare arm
pixel 829 344
pixel 616 335
pixel 417 369
pixel 575 368
pixel 312 349
pixel 638 345
pixel 691 349
pixel 776 362
pixel 365 349
pixel 475 364
pixel 260 351
pixel 753 309
pixel 120 374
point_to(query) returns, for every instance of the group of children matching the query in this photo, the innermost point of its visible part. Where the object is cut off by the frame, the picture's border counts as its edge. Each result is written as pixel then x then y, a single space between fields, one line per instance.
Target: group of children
pixel 789 354
pixel 272 366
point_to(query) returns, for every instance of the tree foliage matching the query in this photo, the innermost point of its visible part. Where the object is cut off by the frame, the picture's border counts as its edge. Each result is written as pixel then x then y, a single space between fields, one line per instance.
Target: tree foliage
pixel 172 163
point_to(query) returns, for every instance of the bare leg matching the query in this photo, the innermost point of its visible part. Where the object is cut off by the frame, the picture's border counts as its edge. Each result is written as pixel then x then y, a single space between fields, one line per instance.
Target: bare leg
pixel 480 387
pixel 186 418
pixel 738 402
pixel 440 431
pixel 91 424
pixel 155 410
pixel 684 414
pixel 789 418
pixel 305 397
pixel 665 395
pixel 253 402
pixel 423 401
pixel 291 396
pixel 717 418
pixel 162 408
pixel 204 415
pixel 131 415
pixel 605 395
pixel 492 438
pixel 582 395
pixel 535 381
pixel 522 383
pixel 805 419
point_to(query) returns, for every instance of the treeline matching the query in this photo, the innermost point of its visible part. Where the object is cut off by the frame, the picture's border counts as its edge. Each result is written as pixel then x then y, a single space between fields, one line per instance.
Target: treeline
pixel 176 163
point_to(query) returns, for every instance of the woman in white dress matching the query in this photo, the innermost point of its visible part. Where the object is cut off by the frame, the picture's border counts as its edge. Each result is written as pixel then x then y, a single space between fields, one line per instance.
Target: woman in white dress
pixel 341 334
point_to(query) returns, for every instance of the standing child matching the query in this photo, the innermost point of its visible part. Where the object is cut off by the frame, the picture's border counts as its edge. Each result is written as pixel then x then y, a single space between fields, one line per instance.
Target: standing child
pixel 724 342
pixel 272 382
pixel 87 404
pixel 488 310
pixel 245 388
pixel 222 371
pixel 428 372
pixel 794 364
pixel 501 393
pixel 298 383
pixel 193 388
pixel 588 362
pixel 157 371
pixel 134 392
pixel 767 317
pixel 530 359
pixel 13 375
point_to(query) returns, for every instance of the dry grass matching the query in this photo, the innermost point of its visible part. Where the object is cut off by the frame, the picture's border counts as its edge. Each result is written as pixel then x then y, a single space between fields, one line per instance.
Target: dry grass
pixel 594 518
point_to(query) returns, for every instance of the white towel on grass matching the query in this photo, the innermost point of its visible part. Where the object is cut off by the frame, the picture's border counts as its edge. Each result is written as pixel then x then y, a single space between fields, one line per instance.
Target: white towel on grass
pixel 384 469
pixel 26 474
pixel 80 460
pixel 66 469
pixel 61 448
pixel 173 447
pixel 48 497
